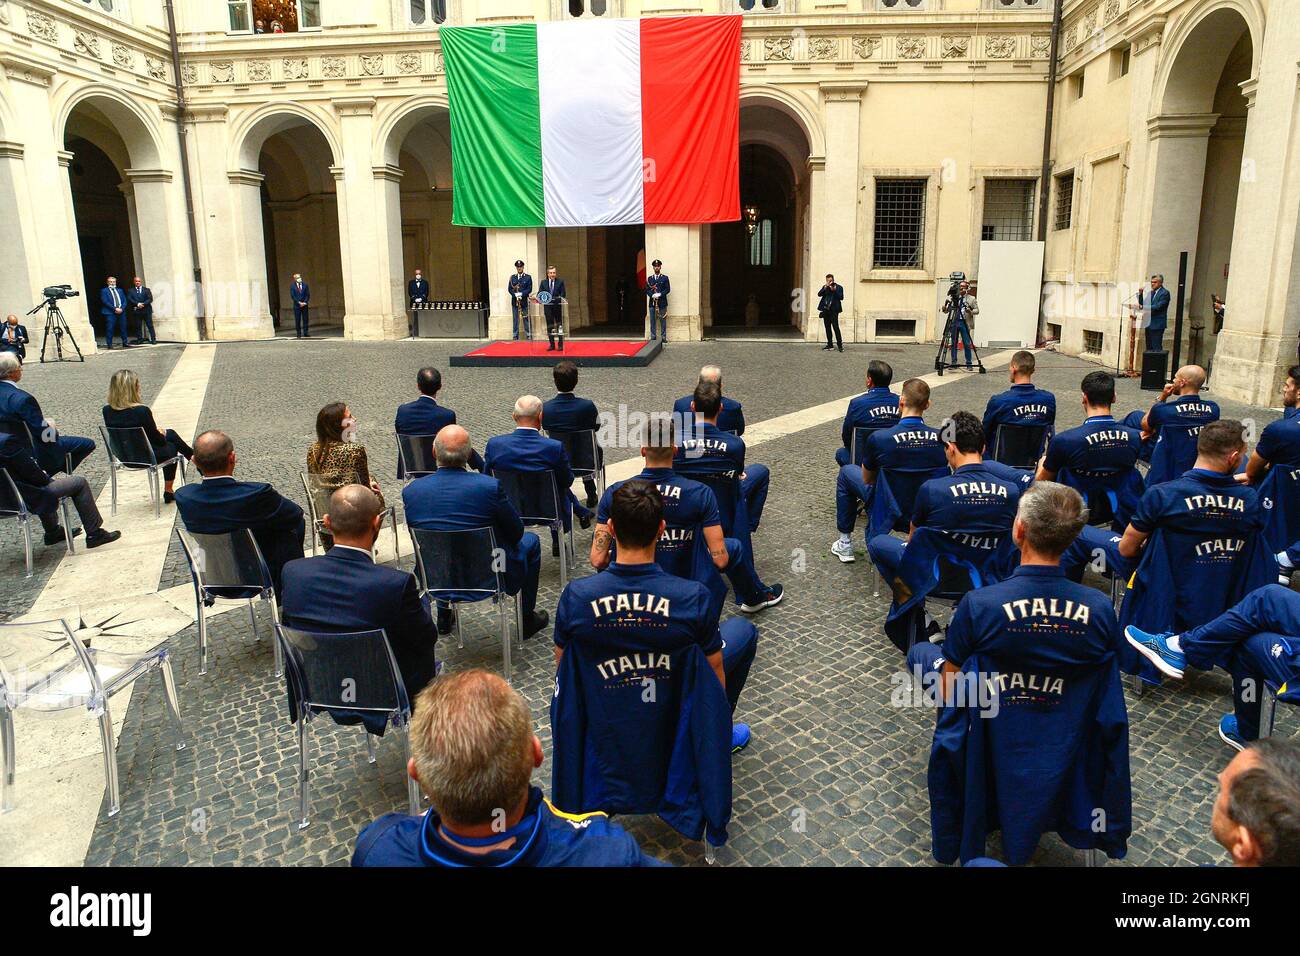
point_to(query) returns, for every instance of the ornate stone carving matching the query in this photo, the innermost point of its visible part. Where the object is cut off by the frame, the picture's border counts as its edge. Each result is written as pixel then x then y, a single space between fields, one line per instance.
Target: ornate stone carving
pixel 222 71
pixel 4 12
pixel 1088 24
pixel 408 63
pixel 123 56
pixel 156 67
pixel 1068 39
pixel 746 51
pixel 1112 10
pixel 823 48
pixel 85 43
pixel 1000 47
pixel 437 62
pixel 372 64
pixel 1040 46
pixel 189 74
pixel 778 48
pixel 333 67
pixel 954 48
pixel 911 48
pixel 865 48
pixel 42 26
pixel 259 70
pixel 295 68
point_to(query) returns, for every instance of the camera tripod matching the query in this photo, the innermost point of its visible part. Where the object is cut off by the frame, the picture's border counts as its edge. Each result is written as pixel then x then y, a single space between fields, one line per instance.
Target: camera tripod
pixel 947 342
pixel 55 323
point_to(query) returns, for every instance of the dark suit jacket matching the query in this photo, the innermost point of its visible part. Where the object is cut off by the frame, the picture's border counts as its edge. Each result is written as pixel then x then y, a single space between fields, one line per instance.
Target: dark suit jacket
pixel 425 416
pixel 19 344
pixel 135 297
pixel 658 283
pixel 106 301
pixel 17 406
pixel 525 449
pixel 568 413
pixel 417 289
pixel 296 296
pixel 344 590
pixel 1158 303
pixel 452 499
pixel 221 505
pixel 557 294
pixel 730 419
pixel 28 476
pixel 830 301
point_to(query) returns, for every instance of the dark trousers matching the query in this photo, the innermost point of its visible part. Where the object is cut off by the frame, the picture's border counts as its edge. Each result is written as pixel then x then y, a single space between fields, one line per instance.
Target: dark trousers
pixel 522 568
pixel 739 645
pixel 300 318
pixel 832 322
pixel 115 322
pixel 55 459
pixel 658 319
pixel 1155 339
pixel 146 324
pixel 175 445
pixel 554 323
pixel 278 549
pixel 519 312
pixel 754 487
pixel 887 552
pixel 1251 642
pixel 745 583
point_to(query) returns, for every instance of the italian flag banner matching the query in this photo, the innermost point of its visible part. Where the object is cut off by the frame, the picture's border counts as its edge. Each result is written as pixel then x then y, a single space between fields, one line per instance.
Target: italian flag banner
pixel 595 122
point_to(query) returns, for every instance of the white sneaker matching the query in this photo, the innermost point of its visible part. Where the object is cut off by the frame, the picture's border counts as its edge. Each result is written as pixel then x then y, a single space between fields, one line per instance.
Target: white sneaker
pixel 843 550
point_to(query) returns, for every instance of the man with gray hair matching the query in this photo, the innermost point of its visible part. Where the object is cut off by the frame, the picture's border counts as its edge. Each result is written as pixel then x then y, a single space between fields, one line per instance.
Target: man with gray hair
pixel 344 591
pixel 1037 616
pixel 473 751
pixel 52 451
pixel 454 498
pixel 1257 814
pixel 527 449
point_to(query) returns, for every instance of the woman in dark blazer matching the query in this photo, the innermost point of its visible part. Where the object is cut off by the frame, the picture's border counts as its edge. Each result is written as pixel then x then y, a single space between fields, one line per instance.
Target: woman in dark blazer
pixel 125 410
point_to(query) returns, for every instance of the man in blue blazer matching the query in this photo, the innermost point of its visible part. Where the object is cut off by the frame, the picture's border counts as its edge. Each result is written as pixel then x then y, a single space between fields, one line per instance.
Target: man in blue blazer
pixel 425 416
pixel 18 408
pixel 417 291
pixel 520 289
pixel 568 413
pixel 41 494
pixel 300 295
pixel 526 449
pixel 455 499
pixel 140 299
pixel 344 590
pixel 1156 305
pixel 113 307
pixel 553 308
pixel 13 336
pixel 657 288
pixel 221 504
pixel 730 419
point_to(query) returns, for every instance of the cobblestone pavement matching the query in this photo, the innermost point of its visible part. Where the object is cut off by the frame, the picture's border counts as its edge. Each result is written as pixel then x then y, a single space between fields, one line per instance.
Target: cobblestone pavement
pixel 835 773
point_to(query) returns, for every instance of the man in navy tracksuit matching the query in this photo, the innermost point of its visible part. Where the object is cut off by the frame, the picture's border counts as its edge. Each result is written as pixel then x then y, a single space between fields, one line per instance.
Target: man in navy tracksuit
pixel 707 447
pixel 690 511
pixel 910 445
pixel 1279 443
pixel 636 606
pixel 484 812
pixel 1177 421
pixel 567 412
pixel 1023 403
pixel 974 503
pixel 874 409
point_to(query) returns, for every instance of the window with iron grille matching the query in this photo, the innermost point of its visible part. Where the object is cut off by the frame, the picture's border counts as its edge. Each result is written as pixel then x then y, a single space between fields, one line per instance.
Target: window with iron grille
pixel 1092 341
pixel 1008 210
pixel 899 224
pixel 1064 200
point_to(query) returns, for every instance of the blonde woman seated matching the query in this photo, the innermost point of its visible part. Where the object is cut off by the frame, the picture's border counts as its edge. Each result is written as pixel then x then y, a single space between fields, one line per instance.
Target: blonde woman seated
pixel 334 457
pixel 125 410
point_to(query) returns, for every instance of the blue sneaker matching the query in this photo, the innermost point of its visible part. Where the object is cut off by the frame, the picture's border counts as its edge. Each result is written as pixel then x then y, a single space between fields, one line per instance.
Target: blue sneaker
pixel 1156 649
pixel 739 737
pixel 1227 732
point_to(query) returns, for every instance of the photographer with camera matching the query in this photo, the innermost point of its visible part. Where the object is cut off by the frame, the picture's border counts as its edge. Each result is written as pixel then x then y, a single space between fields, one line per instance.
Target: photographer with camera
pixel 13 337
pixel 961 309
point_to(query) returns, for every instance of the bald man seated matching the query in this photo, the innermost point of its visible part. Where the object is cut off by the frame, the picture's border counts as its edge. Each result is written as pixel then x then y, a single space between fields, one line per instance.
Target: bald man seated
pixel 1180 407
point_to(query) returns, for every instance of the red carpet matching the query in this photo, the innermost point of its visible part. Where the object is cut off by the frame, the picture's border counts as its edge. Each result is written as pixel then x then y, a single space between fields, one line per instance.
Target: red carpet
pixel 583 348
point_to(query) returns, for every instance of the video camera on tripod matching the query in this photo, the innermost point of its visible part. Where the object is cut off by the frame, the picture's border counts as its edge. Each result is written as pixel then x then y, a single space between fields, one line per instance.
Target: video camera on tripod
pixel 54 320
pixel 954 308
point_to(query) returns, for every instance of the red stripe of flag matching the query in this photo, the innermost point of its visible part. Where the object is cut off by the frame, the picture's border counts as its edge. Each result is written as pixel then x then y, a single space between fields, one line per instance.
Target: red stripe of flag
pixel 690 118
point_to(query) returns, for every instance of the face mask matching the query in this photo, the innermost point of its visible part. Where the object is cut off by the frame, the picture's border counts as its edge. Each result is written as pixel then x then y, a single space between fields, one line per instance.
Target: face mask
pixel 349 429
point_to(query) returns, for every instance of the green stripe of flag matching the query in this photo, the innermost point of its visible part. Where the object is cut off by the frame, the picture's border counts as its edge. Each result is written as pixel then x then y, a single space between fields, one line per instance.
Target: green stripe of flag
pixel 496 136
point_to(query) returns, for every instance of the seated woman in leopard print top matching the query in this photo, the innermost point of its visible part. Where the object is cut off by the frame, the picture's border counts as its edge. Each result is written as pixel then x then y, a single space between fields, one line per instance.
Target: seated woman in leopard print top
pixel 334 457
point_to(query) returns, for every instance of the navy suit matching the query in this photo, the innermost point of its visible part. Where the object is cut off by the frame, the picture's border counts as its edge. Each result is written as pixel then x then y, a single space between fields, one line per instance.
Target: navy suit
pixel 658 307
pixel 14 338
pixel 568 413
pixel 730 419
pixel 1158 318
pixel 521 283
pixel 425 416
pixel 28 477
pixel 113 307
pixel 526 449
pixel 452 499
pixel 344 590
pixel 17 408
pixel 221 504
pixel 140 306
pixel 554 310
pixel 300 292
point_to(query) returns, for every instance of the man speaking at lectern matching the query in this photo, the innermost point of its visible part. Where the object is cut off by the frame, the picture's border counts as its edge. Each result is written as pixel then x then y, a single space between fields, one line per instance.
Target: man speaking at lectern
pixel 550 293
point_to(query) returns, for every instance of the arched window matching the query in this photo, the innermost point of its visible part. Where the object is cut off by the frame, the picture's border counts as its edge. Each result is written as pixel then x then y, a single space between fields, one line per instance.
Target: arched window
pixel 582 8
pixel 428 11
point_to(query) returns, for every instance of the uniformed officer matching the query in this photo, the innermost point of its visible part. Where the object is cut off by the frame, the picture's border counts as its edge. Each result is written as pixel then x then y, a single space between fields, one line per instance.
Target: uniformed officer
pixel 484 812
pixel 690 509
pixel 519 289
pixel 1037 617
pixel 707 448
pixel 637 606
pixel 974 501
pixel 657 288
pixel 911 444
pixel 1023 403
pixel 875 408
pixel 1256 641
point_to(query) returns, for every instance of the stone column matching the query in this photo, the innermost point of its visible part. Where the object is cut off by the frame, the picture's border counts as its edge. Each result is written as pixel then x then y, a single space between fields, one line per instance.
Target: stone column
pixel 388 192
pixel 680 249
pixel 837 206
pixel 504 246
pixel 163 254
pixel 1176 158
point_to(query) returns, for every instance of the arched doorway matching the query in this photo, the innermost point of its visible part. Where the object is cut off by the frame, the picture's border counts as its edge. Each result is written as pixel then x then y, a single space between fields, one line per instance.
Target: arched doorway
pixel 756 264
pixel 1198 135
